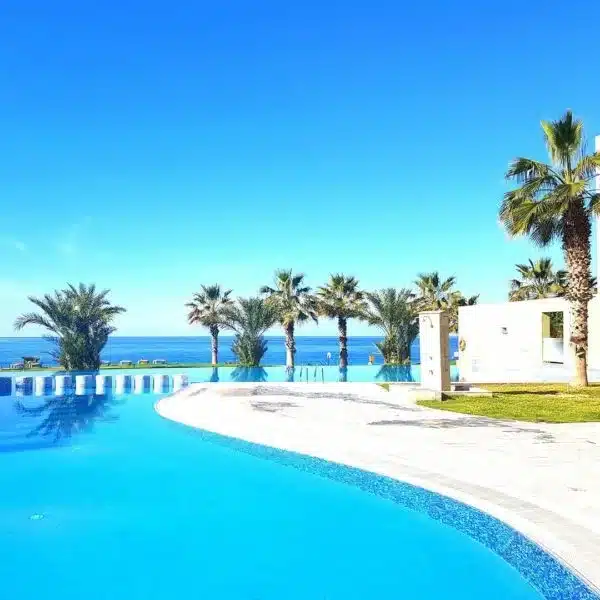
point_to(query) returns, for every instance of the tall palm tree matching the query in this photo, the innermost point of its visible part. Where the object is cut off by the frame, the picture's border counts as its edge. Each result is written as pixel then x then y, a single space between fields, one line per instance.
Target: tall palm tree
pixel 293 303
pixel 208 308
pixel 555 201
pixel 340 298
pixel 250 318
pixel 79 321
pixel 537 280
pixel 433 292
pixel 393 312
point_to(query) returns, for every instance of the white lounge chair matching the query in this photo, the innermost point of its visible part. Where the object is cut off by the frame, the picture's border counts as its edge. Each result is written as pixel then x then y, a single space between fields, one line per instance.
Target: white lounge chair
pixel 159 361
pixel 125 363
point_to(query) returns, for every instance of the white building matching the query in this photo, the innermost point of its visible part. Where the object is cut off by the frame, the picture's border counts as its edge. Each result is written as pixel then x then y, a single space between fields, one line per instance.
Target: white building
pixel 514 341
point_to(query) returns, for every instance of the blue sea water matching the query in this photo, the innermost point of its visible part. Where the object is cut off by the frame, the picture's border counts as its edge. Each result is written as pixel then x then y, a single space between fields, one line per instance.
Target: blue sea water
pixel 197 349
pixel 102 499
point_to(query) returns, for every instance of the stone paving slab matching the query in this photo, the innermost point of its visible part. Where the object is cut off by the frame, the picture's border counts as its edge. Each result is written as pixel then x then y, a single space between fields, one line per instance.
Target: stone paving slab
pixel 542 479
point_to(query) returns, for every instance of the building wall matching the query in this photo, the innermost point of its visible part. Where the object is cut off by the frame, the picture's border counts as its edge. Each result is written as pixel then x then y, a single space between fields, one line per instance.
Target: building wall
pixel 497 338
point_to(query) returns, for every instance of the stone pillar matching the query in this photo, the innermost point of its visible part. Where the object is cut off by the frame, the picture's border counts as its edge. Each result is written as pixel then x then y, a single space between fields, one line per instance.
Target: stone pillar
pixel 434 349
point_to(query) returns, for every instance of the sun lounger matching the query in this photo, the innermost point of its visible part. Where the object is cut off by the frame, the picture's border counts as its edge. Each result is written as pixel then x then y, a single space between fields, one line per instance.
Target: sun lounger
pixel 143 362
pixel 125 363
pixel 105 363
pixel 159 361
pixel 17 365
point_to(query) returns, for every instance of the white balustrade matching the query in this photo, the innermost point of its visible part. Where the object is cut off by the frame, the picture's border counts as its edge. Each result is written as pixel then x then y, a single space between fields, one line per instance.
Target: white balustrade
pixel 122 384
pixel 179 381
pixel 103 382
pixel 160 383
pixel 43 385
pixel 83 383
pixel 24 386
pixel 61 383
pixel 141 383
pixel 23 382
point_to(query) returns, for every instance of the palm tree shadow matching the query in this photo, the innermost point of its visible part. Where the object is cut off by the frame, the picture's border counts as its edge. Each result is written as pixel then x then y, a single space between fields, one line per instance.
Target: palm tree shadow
pixel 249 374
pixel 63 416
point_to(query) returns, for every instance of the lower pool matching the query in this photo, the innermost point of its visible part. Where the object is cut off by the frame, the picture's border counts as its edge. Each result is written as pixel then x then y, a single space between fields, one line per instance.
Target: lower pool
pixel 103 499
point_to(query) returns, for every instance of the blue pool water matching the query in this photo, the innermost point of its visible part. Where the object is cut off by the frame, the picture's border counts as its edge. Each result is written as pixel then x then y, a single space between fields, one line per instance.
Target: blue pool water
pixel 312 373
pixel 102 499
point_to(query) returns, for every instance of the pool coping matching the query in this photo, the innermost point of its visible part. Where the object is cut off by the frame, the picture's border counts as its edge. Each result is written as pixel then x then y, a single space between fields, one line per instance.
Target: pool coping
pixel 548 531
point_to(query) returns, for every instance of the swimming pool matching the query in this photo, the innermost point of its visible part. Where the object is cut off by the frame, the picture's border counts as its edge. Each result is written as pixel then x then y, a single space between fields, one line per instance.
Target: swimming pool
pixel 311 373
pixel 102 498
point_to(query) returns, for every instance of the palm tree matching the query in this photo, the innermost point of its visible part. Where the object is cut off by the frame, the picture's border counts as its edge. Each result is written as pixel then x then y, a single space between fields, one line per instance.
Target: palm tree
pixel 537 280
pixel 208 308
pixel 455 301
pixel 250 318
pixel 79 321
pixel 393 312
pixel 433 291
pixel 341 299
pixel 293 304
pixel 555 201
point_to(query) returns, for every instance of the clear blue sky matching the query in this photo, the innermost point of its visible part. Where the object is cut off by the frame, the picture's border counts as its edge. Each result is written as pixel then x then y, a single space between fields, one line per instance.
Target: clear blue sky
pixel 153 146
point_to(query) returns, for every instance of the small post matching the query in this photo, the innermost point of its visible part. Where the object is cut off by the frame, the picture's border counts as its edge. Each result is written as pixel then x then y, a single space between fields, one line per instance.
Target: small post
pixel 434 349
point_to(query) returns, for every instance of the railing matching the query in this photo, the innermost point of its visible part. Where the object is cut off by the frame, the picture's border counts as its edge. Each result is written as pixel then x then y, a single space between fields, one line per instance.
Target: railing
pixel 307 369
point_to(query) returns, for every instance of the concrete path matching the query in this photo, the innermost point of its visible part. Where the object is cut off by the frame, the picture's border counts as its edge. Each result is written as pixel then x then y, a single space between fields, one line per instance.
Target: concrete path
pixel 542 479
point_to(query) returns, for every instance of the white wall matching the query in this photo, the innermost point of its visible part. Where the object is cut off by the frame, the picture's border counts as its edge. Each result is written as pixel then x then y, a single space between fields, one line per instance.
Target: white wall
pixel 508 337
pixel 504 336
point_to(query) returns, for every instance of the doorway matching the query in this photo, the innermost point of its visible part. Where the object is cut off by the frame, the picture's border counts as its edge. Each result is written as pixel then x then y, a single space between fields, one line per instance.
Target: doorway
pixel 553 337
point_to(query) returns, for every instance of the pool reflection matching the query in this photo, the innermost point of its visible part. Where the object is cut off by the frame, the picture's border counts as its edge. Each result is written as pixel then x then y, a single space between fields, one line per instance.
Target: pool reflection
pixel 60 417
pixel 395 374
pixel 249 374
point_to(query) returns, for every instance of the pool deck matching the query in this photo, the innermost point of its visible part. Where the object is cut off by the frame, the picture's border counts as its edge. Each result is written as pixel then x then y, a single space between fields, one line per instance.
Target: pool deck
pixel 542 479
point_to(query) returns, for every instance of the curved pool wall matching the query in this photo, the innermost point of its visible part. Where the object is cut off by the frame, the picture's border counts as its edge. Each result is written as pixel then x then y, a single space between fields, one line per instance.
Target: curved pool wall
pixel 277 374
pixel 101 485
pixel 545 573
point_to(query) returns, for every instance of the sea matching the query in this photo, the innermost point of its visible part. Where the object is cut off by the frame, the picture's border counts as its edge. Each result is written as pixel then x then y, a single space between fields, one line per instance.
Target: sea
pixel 188 349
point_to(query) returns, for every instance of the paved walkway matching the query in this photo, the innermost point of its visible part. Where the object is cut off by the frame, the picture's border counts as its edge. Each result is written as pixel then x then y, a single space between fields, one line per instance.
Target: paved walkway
pixel 542 479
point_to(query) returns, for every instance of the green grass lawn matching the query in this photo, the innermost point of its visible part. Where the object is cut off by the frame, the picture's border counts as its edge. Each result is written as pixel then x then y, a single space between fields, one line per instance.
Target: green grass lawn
pixel 547 402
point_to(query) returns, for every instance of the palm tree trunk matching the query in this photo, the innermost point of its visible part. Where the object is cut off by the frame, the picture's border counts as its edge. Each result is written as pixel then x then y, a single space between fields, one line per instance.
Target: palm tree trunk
pixel 214 342
pixel 290 345
pixel 576 246
pixel 343 335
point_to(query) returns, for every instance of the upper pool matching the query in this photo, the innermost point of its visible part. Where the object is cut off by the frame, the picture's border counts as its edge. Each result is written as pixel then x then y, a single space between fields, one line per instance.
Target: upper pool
pixel 310 373
pixel 103 499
